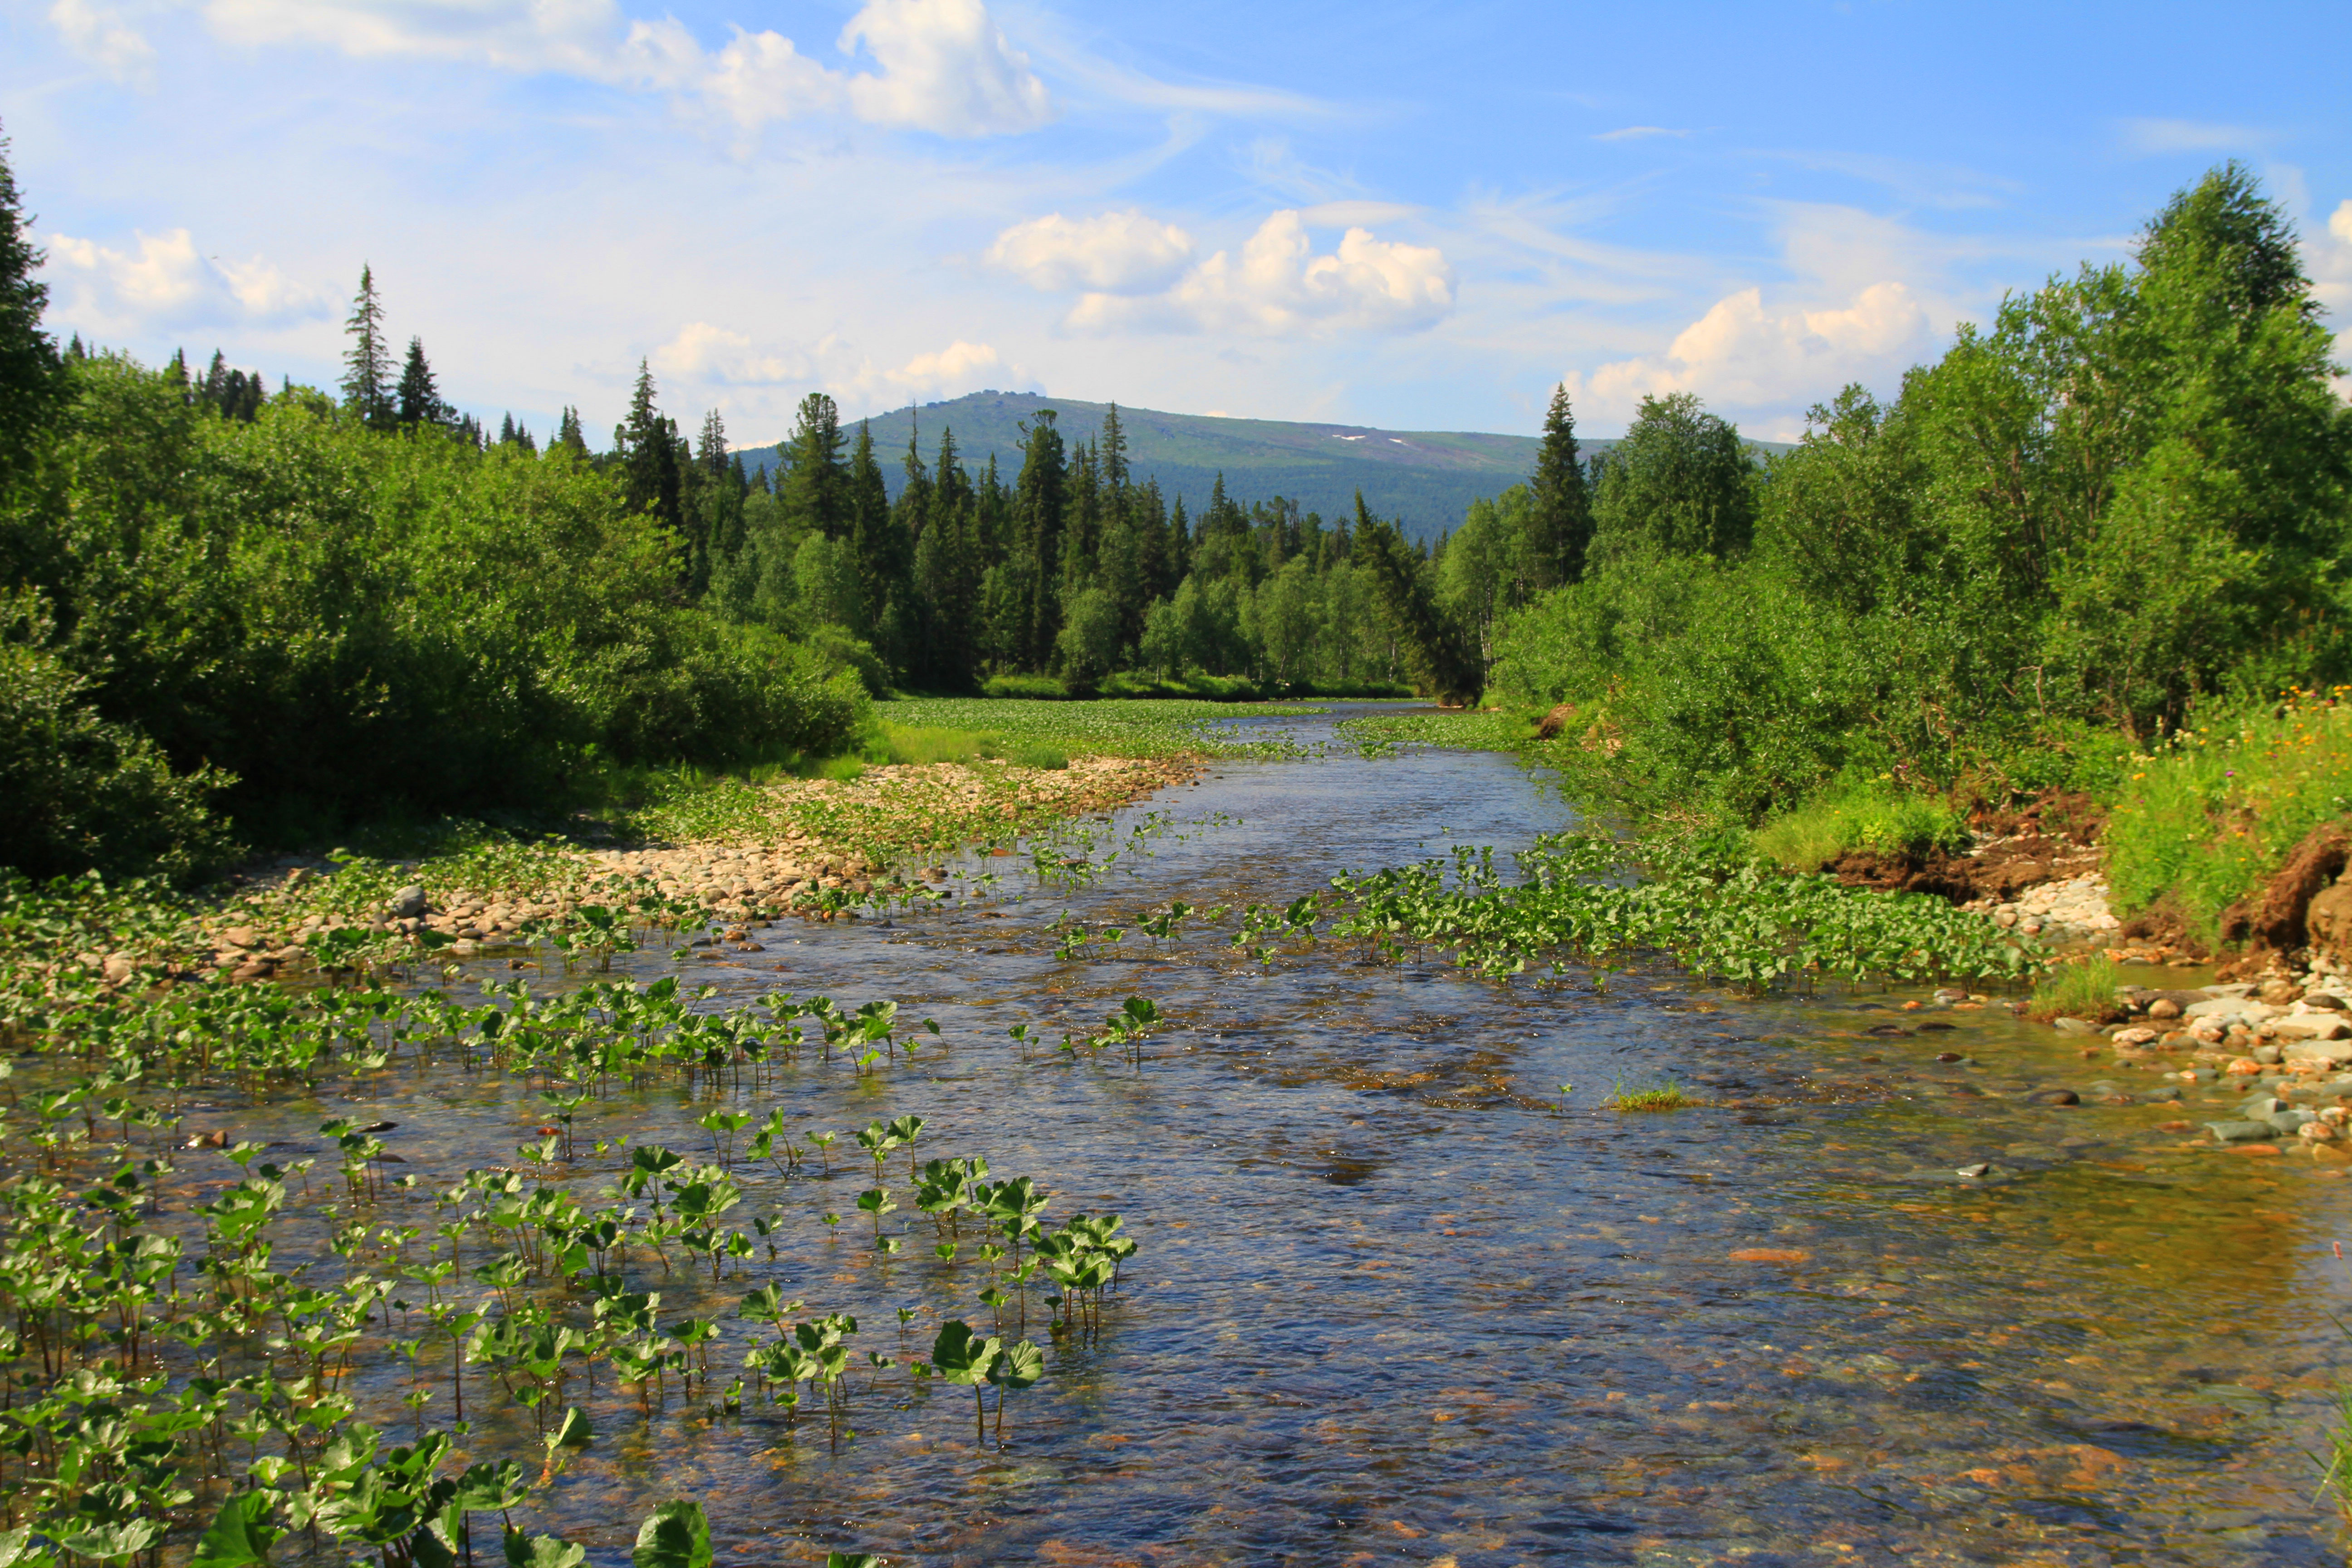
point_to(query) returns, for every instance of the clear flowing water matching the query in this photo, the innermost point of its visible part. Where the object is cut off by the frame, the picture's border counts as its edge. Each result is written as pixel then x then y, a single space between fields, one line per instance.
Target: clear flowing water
pixel 1393 1303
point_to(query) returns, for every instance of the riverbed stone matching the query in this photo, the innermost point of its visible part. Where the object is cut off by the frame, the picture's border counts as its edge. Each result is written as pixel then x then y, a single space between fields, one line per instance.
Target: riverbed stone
pixel 2074 1025
pixel 2240 1131
pixel 2289 1120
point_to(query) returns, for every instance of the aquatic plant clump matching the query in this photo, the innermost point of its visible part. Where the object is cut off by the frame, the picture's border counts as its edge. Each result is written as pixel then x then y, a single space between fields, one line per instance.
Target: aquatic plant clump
pixel 194 1326
pixel 1589 899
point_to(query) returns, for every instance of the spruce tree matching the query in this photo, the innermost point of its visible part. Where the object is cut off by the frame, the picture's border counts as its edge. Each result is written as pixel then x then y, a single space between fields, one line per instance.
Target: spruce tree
pixel 646 445
pixel 418 401
pixel 1112 446
pixel 1562 523
pixel 367 364
pixel 32 378
pixel 815 488
pixel 1041 498
pixel 569 436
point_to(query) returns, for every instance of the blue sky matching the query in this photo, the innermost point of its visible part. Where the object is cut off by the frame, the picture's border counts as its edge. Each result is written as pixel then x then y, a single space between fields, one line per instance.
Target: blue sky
pixel 1418 217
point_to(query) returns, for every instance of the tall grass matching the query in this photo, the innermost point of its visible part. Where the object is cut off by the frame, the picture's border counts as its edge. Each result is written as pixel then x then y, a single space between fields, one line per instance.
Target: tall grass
pixel 1861 814
pixel 2206 817
pixel 2085 990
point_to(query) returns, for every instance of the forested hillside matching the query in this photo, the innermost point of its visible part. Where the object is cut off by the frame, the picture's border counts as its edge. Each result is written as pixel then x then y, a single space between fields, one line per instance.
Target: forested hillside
pixel 1426 480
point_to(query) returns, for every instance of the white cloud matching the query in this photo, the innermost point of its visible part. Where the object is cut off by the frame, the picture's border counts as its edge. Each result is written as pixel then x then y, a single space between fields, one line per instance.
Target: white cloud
pixel 945 65
pixel 1637 133
pixel 953 370
pixel 1278 287
pixel 1741 355
pixel 945 68
pixel 708 354
pixel 1117 253
pixel 707 357
pixel 166 284
pixel 98 35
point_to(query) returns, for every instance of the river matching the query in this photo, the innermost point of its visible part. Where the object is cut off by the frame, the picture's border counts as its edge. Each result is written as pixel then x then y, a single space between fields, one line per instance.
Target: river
pixel 1400 1300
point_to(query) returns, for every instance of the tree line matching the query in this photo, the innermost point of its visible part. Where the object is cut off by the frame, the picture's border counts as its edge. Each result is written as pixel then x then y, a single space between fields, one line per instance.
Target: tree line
pixel 2123 503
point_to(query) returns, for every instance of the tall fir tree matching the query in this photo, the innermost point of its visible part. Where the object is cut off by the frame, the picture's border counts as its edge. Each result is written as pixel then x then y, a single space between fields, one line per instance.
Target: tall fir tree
pixel 646 445
pixel 32 377
pixel 418 404
pixel 815 487
pixel 367 364
pixel 1041 492
pixel 1563 503
pixel 570 437
pixel 874 545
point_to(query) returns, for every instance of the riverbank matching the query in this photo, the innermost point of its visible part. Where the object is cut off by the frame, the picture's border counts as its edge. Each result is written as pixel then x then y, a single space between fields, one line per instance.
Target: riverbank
pixel 733 851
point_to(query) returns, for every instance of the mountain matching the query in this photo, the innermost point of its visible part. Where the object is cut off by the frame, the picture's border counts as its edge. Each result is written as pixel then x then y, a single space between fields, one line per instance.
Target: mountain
pixel 1426 478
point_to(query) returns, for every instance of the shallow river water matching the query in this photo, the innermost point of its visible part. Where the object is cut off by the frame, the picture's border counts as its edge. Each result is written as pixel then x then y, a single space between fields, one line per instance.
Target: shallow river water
pixel 1399 1301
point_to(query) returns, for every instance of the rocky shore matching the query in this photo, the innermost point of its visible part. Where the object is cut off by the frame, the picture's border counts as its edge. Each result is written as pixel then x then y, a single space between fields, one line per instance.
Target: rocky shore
pixel 773 856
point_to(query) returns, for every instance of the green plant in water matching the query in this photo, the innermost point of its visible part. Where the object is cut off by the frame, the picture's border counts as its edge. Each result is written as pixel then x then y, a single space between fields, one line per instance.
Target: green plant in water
pixel 2085 989
pixel 1666 1096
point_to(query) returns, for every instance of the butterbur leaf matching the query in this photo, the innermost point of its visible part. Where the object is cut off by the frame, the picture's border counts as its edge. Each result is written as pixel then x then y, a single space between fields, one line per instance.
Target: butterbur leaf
pixel 675 1535
pixel 121 1540
pixel 572 1432
pixel 1018 1366
pixel 542 1552
pixel 240 1536
pixel 487 1487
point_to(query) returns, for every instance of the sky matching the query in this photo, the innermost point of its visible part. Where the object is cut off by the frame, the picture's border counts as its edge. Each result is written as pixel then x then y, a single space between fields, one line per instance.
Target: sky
pixel 1418 217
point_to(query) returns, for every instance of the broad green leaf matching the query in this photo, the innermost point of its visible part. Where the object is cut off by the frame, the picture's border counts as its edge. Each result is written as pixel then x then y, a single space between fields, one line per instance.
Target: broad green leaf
pixel 675 1535
pixel 240 1536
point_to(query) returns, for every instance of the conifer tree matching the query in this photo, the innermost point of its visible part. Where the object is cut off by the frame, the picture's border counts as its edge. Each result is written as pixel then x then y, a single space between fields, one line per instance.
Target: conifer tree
pixel 32 379
pixel 1112 446
pixel 419 401
pixel 815 488
pixel 569 436
pixel 1563 506
pixel 1041 493
pixel 367 364
pixel 646 445
pixel 873 542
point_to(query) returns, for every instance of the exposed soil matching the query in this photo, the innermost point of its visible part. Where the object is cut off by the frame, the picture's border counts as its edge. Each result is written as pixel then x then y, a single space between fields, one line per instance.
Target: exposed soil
pixel 1999 869
pixel 2018 848
pixel 2274 919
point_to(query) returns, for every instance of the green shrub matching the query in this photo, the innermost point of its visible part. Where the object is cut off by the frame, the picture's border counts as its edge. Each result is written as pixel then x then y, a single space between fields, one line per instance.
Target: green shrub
pixel 2207 817
pixel 1045 687
pixel 83 794
pixel 341 624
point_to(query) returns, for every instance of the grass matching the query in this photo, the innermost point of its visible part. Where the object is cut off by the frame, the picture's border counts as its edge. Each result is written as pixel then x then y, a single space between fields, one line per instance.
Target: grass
pixel 2205 819
pixel 2082 990
pixel 1106 727
pixel 1473 730
pixel 1864 815
pixel 1666 1096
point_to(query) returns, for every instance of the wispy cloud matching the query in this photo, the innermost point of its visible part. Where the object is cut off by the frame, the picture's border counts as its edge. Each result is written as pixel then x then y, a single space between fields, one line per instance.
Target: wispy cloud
pixel 2189 136
pixel 1636 133
pixel 945 66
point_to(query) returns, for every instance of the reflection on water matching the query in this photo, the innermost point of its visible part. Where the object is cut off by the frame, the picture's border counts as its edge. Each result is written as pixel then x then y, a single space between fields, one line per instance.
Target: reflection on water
pixel 1395 1304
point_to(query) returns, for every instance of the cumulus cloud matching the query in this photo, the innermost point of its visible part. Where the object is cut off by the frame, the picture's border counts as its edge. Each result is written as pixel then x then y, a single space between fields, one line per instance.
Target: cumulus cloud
pixel 1117 253
pixel 945 68
pixel 1741 355
pixel 704 355
pixel 955 369
pixel 1276 286
pixel 944 65
pixel 165 283
pixel 98 34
